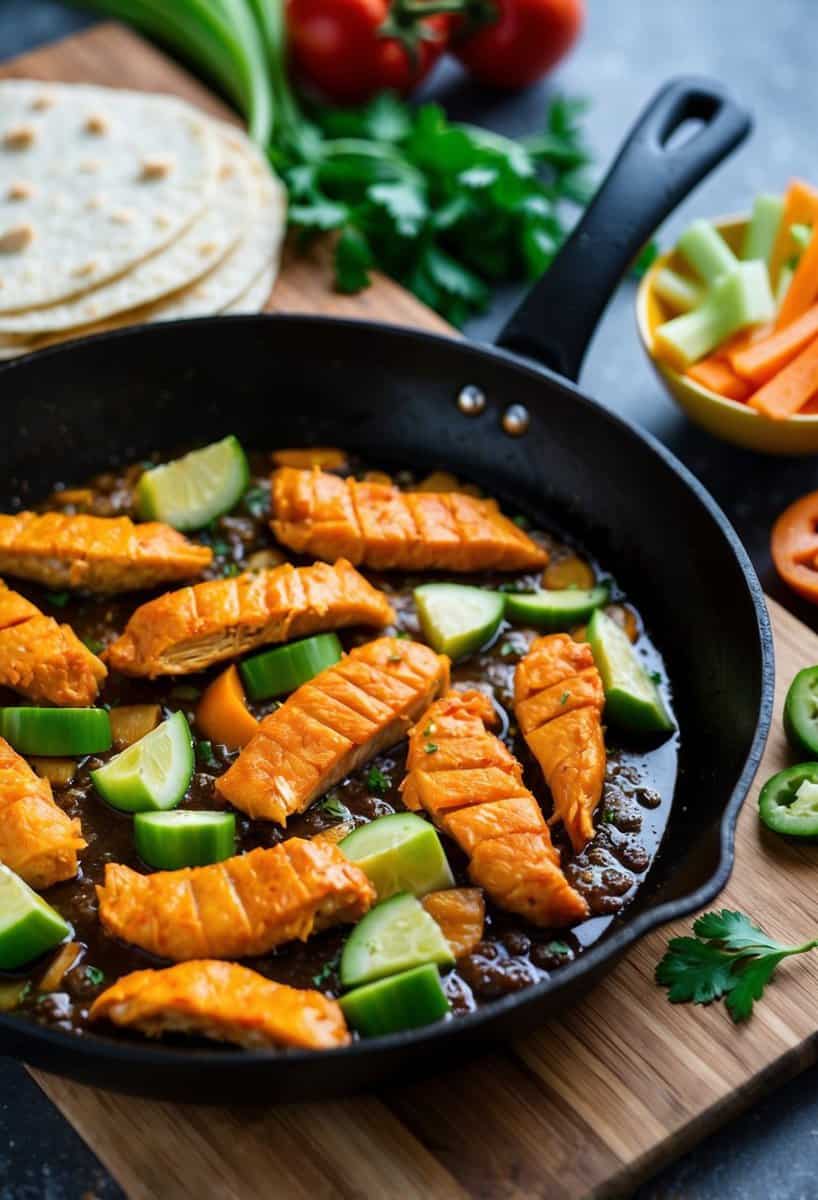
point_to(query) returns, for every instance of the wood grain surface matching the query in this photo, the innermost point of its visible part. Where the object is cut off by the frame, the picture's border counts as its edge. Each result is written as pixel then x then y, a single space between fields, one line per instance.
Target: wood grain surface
pixel 588 1106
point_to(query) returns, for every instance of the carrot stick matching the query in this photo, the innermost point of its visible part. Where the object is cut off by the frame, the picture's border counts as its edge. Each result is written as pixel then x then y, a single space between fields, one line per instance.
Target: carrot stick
pixel 803 289
pixel 759 361
pixel 718 376
pixel 791 388
pixel 800 208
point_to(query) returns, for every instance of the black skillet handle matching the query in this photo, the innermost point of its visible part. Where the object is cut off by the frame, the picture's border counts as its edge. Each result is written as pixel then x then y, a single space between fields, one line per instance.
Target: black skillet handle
pixel 555 322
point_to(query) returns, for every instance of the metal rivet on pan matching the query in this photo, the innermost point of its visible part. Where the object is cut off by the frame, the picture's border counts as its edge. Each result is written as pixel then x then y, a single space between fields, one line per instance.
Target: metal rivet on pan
pixel 471 400
pixel 516 420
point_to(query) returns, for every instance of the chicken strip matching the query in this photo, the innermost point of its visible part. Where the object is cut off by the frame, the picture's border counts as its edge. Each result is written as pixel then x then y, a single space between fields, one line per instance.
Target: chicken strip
pixel 483 804
pixel 558 700
pixel 332 725
pixel 238 908
pixel 43 660
pixel 379 526
pixel 37 839
pixel 225 1002
pixel 191 629
pixel 461 914
pixel 100 554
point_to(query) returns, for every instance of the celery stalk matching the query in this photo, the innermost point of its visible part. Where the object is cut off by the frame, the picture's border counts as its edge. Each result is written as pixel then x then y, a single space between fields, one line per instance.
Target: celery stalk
pixel 680 293
pixel 760 235
pixel 706 251
pixel 800 235
pixel 737 299
pixel 784 280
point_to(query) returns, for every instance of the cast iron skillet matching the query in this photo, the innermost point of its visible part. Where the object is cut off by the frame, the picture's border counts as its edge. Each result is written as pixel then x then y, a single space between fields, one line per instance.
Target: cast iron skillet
pixel 396 396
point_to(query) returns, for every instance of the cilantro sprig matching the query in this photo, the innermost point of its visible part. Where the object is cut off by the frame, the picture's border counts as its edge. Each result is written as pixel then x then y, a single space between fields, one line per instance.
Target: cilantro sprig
pixel 729 957
pixel 445 208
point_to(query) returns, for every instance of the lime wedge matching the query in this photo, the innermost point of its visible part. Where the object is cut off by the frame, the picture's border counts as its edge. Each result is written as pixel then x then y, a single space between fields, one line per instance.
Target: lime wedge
pixel 153 773
pixel 457 619
pixel 399 853
pixel 189 492
pixel 632 699
pixel 394 936
pixel 28 926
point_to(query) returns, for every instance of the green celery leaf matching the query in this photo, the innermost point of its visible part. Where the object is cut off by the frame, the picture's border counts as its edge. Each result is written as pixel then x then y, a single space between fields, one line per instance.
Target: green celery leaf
pixel 694 970
pixel 405 204
pixel 353 260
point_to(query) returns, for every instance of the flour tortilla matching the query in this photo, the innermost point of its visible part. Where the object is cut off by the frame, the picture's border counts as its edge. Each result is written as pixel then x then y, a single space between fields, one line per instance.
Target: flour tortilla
pixel 256 296
pixel 73 164
pixel 232 208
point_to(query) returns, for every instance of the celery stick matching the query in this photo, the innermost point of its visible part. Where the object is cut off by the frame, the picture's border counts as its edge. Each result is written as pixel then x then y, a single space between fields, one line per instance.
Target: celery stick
pixel 784 280
pixel 738 299
pixel 761 231
pixel 680 293
pixel 706 251
pixel 800 235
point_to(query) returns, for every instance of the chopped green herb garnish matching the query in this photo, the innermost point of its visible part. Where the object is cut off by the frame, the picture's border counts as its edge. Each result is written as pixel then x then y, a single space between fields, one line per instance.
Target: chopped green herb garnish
pixel 94 976
pixel 644 260
pixel 565 697
pixel 257 501
pixel 403 634
pixel 521 521
pixel 220 547
pixel 395 658
pixel 334 807
pixel 430 729
pixel 204 752
pixel 377 781
pixel 608 816
pixel 323 976
pixel 561 948
pixel 95 646
pixel 728 957
pixel 430 747
pixel 230 570
pixel 508 648
pixel 58 599
pixel 656 676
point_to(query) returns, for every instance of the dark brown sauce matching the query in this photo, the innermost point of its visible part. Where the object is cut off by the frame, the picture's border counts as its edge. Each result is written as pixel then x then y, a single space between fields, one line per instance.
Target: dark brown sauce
pixel 513 955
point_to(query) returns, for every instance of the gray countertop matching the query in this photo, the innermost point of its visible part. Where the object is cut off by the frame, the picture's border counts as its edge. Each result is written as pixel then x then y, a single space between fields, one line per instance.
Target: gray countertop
pixel 765 51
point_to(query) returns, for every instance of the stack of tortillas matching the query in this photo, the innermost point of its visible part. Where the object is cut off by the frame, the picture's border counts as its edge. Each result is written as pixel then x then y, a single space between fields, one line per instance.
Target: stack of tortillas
pixel 121 207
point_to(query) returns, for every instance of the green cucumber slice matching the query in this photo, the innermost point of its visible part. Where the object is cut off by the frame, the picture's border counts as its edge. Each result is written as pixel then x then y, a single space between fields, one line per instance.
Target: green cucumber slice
pixel 706 251
pixel 275 672
pixel 395 935
pixel 191 491
pixel 28 926
pixel 399 853
pixel 185 838
pixel 555 609
pixel 56 732
pixel 406 1001
pixel 632 699
pixel 760 234
pixel 737 299
pixel 457 620
pixel 680 293
pixel 153 773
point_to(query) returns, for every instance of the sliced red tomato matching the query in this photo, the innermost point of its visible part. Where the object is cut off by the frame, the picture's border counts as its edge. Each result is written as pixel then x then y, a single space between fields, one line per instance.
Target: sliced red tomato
pixel 351 49
pixel 795 546
pixel 524 40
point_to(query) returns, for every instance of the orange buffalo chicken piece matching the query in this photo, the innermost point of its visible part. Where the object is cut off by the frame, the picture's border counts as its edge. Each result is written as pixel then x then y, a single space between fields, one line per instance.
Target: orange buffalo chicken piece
pixel 191 629
pixel 225 1002
pixel 461 914
pixel 332 725
pixel 238 908
pixel 558 701
pixel 380 526
pixel 44 660
pixel 99 554
pixel 471 786
pixel 37 839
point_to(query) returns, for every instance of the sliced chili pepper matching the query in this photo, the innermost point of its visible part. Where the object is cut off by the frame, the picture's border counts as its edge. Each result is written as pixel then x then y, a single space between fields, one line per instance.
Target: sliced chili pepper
pixel 789 801
pixel 801 712
pixel 795 546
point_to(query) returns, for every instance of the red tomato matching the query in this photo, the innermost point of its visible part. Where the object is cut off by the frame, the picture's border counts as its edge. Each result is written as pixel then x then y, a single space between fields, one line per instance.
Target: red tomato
pixel 352 49
pixel 526 40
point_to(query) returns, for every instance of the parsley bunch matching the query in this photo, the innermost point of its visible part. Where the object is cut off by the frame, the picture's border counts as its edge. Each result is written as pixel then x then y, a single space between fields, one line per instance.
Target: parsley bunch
pixel 446 209
pixel 729 957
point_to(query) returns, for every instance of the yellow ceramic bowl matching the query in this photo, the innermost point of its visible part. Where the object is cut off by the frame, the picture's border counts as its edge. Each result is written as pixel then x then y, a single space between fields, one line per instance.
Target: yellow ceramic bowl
pixel 726 419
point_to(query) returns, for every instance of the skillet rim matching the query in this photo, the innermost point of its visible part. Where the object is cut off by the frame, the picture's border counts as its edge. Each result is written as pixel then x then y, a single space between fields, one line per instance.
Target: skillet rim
pixel 92 1045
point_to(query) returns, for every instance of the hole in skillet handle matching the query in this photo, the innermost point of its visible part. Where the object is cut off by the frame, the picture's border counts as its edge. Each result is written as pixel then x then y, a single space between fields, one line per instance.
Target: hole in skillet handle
pixel 661 160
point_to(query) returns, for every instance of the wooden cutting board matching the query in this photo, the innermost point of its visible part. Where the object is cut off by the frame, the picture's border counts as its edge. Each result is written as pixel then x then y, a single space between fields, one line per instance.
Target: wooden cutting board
pixel 586 1107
